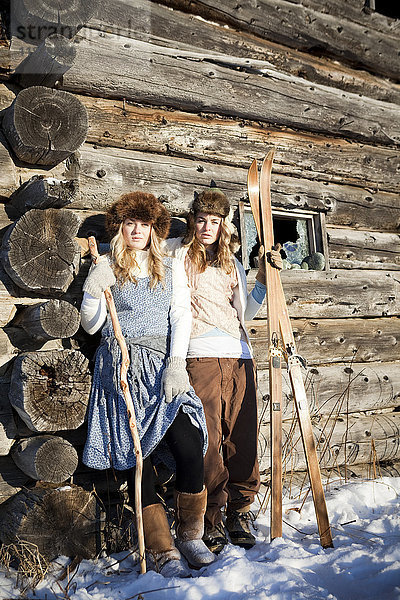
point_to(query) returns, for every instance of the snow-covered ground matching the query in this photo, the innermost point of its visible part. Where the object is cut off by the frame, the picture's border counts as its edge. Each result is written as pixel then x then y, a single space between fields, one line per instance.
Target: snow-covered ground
pixel 363 565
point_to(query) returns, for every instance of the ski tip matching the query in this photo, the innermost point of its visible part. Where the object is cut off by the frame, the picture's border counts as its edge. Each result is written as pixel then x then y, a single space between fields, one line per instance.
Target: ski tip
pixel 252 177
pixel 253 166
pixel 269 157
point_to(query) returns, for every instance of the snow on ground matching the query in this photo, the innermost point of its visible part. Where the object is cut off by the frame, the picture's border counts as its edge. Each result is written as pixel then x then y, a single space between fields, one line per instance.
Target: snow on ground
pixel 363 565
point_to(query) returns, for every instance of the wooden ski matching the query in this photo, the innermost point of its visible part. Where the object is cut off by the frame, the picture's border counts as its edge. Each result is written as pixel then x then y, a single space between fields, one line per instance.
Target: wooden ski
pixel 294 361
pixel 274 351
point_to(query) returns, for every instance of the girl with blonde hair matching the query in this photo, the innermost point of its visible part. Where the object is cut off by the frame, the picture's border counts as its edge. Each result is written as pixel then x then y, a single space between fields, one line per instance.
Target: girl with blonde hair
pixel 153 306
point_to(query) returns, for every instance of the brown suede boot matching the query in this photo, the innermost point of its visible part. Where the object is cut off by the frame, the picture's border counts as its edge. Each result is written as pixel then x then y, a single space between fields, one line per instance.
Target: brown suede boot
pixel 190 510
pixel 161 553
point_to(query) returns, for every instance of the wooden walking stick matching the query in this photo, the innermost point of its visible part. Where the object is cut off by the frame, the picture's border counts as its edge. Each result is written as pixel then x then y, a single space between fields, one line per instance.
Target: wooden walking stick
pixel 280 329
pixel 129 407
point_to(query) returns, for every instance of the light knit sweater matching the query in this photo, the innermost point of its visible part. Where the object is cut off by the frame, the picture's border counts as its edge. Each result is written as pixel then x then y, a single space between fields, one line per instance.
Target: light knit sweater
pixel 218 341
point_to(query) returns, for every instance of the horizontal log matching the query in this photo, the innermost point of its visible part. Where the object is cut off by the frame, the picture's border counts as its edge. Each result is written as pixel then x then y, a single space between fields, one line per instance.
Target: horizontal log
pixel 47 64
pixel 109 172
pixel 46 458
pixel 8 429
pixel 363 249
pixel 47 261
pixel 145 20
pixel 8 171
pixel 45 126
pixel 334 295
pixel 41 192
pixel 289 23
pixel 323 341
pixel 49 320
pixel 58 520
pixel 346 440
pixel 336 389
pixel 236 143
pixel 244 88
pixel 296 483
pixel 34 20
pixel 12 479
pixel 50 390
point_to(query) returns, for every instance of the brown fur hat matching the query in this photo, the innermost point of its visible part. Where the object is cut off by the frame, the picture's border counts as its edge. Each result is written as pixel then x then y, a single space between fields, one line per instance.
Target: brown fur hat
pixel 138 205
pixel 211 201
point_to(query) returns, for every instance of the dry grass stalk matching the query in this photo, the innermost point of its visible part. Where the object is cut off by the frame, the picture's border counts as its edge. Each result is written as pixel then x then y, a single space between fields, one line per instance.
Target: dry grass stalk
pixel 30 565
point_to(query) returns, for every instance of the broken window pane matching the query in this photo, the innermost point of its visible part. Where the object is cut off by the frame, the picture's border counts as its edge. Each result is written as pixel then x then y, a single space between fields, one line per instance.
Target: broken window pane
pixel 294 232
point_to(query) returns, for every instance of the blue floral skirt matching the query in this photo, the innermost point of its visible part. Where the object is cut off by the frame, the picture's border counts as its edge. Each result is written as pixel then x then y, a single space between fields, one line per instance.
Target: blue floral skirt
pixel 109 440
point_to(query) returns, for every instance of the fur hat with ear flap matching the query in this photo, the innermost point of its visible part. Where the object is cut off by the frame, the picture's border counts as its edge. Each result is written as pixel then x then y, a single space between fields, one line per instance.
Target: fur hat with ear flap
pixel 138 205
pixel 211 201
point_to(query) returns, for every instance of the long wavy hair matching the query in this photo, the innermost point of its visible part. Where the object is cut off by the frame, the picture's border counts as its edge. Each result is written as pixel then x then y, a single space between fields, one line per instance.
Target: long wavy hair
pixel 124 259
pixel 226 245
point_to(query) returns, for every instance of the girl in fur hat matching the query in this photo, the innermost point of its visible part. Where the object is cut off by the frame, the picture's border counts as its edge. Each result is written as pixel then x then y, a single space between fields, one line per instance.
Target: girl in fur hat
pixel 220 364
pixel 153 305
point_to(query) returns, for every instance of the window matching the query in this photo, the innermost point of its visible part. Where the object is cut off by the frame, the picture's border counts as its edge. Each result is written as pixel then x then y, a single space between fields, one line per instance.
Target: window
pixel 385 7
pixel 301 235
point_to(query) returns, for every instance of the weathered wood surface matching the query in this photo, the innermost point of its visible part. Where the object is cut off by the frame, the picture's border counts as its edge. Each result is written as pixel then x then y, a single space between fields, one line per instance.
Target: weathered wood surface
pixel 244 88
pixel 41 192
pixel 334 389
pixel 39 251
pixel 8 172
pixel 8 430
pixel 336 294
pixel 46 458
pixel 58 520
pixel 145 20
pixel 107 173
pixel 299 25
pixel 50 390
pixel 323 341
pixel 49 320
pixel 47 64
pixel 35 19
pixel 44 126
pixel 296 483
pixel 11 296
pixel 363 249
pixel 237 143
pixel 347 440
pixel 12 479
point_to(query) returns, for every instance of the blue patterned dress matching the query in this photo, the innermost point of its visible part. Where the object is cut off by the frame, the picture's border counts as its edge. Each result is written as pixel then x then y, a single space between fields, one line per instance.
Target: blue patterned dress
pixel 144 317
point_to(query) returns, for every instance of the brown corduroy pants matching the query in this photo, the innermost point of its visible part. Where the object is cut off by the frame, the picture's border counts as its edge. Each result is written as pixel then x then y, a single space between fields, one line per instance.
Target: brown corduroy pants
pixel 227 389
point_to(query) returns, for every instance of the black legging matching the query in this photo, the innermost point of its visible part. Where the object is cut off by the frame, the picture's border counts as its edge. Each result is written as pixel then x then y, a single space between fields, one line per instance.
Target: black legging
pixel 185 443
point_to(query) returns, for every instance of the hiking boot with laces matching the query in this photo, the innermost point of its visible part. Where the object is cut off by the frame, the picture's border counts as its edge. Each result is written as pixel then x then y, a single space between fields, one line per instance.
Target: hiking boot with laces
pixel 238 526
pixel 215 537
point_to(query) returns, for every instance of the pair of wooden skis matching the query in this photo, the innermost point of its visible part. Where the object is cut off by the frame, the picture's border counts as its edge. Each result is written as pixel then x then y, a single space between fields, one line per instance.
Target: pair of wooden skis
pixel 282 347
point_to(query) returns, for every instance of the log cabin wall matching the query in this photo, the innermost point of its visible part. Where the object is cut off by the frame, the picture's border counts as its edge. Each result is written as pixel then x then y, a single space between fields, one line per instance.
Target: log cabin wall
pixel 182 92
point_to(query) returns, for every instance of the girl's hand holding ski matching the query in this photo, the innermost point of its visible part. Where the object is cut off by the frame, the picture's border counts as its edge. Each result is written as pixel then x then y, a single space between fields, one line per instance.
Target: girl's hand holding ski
pixel 275 259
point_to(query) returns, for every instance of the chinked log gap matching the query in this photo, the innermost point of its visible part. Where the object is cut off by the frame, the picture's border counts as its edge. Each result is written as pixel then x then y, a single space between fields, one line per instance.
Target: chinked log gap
pixel 34 20
pixel 42 192
pixel 58 520
pixel 44 126
pixel 50 389
pixel 40 253
pixel 47 64
pixel 46 458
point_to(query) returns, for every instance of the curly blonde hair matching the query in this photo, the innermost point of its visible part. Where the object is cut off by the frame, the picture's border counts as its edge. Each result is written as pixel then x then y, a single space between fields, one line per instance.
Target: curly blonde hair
pixel 124 259
pixel 226 246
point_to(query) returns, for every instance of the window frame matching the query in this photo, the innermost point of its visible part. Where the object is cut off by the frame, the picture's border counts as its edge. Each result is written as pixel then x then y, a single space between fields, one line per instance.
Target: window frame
pixel 316 228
